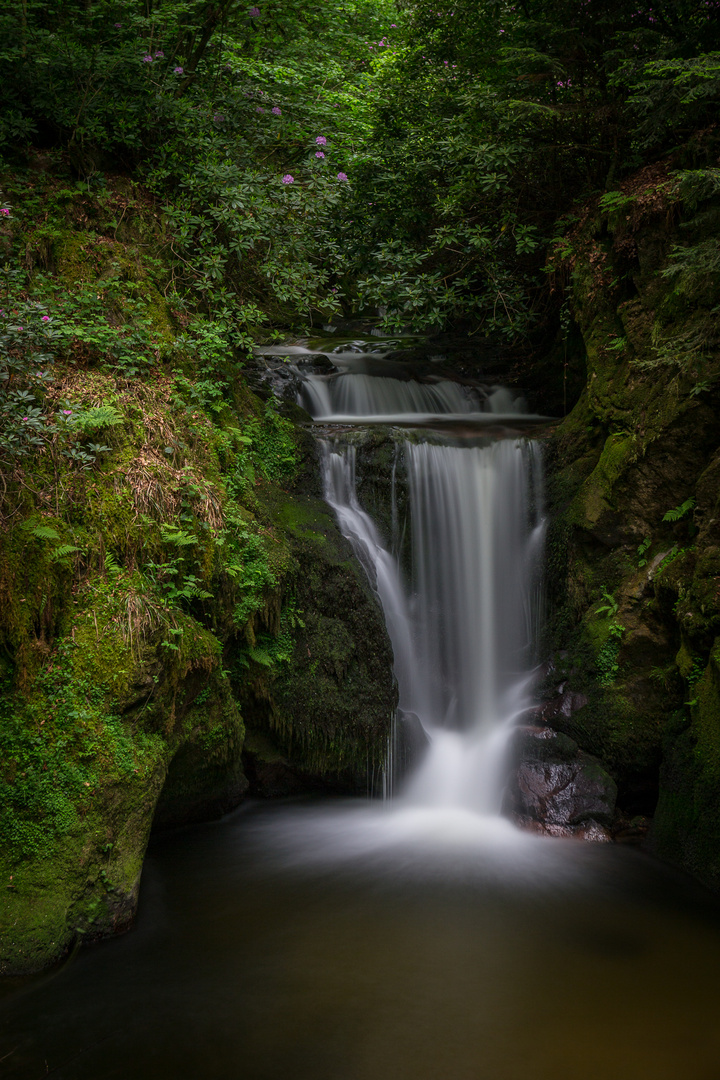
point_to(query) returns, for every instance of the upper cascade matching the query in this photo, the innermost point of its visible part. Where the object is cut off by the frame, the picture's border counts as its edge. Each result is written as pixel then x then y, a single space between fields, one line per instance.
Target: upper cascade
pixel 367 383
pixel 357 397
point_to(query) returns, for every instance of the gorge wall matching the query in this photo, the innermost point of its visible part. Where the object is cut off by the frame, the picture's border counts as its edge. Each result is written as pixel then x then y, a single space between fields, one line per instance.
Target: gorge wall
pixel 634 551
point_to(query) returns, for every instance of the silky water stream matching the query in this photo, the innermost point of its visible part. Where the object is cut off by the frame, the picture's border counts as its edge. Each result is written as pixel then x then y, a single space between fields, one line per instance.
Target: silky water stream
pixel 421 937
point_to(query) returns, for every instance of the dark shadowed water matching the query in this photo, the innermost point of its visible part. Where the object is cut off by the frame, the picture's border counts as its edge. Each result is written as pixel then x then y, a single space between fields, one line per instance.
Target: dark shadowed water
pixel 348 942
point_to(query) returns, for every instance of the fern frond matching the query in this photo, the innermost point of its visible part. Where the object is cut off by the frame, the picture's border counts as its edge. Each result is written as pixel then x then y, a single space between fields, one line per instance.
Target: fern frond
pixel 679 511
pixel 45 532
pixel 63 551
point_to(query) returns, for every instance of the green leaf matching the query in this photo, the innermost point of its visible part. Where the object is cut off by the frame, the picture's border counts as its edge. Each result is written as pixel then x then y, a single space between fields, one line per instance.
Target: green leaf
pixel 679 511
pixel 45 532
pixel 63 551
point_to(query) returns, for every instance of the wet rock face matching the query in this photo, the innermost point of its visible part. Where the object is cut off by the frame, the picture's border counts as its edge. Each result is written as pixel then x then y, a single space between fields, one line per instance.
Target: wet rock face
pixel 324 714
pixel 564 794
pixel 561 707
pixel 281 376
pixel 557 789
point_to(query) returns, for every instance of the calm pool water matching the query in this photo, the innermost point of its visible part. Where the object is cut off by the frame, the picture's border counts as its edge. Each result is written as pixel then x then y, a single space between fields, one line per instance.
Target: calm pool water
pixel 345 942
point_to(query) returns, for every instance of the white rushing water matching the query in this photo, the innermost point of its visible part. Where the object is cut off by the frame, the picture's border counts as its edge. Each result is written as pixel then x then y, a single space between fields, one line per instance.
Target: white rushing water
pixel 463 626
pixel 458 580
pixel 359 398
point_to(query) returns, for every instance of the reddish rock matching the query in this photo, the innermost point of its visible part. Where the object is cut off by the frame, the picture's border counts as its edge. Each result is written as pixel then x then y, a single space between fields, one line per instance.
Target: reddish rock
pixel 558 788
pixel 590 831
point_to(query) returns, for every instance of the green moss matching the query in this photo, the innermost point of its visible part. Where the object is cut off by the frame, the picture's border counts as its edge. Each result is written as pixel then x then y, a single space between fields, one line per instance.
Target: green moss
pixel 327 698
pixel 684 660
pixel 597 495
pixel 686 829
pixel 650 403
pixel 87 753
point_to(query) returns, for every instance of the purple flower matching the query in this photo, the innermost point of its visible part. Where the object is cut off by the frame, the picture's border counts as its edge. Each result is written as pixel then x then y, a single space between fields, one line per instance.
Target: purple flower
pixel 288 179
pixel 319 154
pixel 159 55
pixel 26 418
pixel 254 12
pixel 276 111
pixel 118 25
pixel 46 318
pixel 341 176
pixel 321 140
pixel 147 59
pixel 178 70
pixel 67 412
pixel 259 108
pixel 5 211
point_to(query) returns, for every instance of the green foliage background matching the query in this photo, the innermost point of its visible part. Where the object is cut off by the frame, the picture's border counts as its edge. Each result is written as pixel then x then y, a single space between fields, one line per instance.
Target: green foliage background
pixel 466 132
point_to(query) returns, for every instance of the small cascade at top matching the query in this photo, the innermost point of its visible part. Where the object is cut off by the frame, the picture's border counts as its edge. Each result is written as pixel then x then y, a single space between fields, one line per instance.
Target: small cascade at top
pixel 360 398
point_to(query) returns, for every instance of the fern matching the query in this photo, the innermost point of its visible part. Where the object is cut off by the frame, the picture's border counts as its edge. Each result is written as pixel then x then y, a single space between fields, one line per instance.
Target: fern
pixel 63 551
pixel 41 532
pixel 610 607
pixel 615 200
pixel 93 419
pixel 172 534
pixel 191 591
pixel 260 656
pixel 680 511
pixel 112 567
pixel 642 551
pixel 695 261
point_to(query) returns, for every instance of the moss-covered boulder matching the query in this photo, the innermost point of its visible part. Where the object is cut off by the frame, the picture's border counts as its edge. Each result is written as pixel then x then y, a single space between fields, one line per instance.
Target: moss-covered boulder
pixel 327 701
pixel 88 750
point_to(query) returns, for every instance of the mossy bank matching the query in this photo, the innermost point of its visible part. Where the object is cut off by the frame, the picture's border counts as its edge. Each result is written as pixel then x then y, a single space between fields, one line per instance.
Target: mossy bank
pixel 168 574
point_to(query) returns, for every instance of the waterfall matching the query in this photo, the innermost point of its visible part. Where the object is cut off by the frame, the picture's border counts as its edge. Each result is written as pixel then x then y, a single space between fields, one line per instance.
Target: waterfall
pixel 375 395
pixel 462 606
pixel 361 398
pixel 463 621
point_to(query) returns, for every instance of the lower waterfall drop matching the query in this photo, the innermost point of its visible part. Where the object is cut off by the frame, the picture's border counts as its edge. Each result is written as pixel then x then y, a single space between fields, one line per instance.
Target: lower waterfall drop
pixel 463 624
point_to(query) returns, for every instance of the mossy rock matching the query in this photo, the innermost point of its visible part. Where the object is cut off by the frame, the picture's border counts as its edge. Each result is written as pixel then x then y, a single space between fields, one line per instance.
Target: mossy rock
pixel 686 826
pixel 328 705
pixel 88 753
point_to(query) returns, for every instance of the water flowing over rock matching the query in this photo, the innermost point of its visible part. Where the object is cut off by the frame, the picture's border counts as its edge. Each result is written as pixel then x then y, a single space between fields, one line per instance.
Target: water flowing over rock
pixel 463 614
